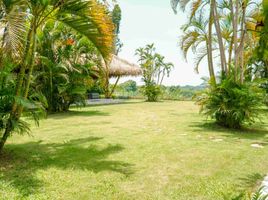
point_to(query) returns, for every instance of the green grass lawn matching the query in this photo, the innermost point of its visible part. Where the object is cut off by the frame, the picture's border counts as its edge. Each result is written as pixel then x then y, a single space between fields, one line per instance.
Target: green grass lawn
pixel 135 150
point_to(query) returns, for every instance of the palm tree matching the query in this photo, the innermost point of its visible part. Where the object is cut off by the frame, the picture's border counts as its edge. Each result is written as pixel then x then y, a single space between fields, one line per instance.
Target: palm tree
pixel 200 5
pixel 230 19
pixel 196 37
pixel 88 17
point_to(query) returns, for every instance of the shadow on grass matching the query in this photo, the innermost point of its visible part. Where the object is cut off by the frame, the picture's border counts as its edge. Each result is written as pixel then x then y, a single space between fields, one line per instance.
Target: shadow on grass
pixel 80 113
pixel 19 164
pixel 252 133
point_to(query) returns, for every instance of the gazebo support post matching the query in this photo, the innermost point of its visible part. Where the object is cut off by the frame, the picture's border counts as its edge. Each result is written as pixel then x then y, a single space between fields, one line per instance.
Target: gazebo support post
pixel 113 89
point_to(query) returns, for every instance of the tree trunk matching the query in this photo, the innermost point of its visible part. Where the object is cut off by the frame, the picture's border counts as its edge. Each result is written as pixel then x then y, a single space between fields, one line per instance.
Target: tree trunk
pixel 31 65
pixel 242 45
pixel 219 36
pixel 14 112
pixel 231 46
pixel 235 30
pixel 209 46
pixel 230 52
pixel 2 67
pixel 210 68
pixel 163 76
pixel 5 135
pixel 21 75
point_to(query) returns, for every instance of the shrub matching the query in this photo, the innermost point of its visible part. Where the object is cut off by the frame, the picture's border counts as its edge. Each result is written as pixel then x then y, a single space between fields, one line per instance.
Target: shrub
pixel 265 87
pixel 152 92
pixel 230 103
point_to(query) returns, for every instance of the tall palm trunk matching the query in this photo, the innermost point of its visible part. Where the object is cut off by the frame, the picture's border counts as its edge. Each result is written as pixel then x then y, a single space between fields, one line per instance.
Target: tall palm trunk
pixel 210 65
pixel 29 76
pixel 14 115
pixel 235 35
pixel 219 36
pixel 230 53
pixel 242 45
pixel 209 46
pixel 2 67
pixel 231 46
pixel 162 78
pixel 21 74
pixel 31 64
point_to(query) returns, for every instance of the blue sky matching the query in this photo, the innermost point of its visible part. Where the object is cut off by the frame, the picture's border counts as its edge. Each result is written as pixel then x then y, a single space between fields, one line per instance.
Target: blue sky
pixel 153 21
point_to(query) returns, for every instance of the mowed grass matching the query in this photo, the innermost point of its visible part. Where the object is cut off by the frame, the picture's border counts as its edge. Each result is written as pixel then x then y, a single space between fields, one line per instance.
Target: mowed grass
pixel 136 150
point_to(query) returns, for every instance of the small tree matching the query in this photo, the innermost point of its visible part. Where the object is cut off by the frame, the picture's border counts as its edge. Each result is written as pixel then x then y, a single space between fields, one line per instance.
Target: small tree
pixel 130 86
pixel 155 69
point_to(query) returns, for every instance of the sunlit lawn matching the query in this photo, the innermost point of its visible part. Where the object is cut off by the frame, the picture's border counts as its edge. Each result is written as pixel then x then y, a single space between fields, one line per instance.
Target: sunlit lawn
pixel 135 150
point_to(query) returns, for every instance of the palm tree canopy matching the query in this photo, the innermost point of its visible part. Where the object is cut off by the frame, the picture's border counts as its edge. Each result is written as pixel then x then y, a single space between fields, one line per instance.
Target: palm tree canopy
pixel 87 17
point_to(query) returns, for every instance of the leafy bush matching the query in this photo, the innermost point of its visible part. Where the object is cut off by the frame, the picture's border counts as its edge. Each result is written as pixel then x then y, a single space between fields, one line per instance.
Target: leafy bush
pixel 33 108
pixel 265 87
pixel 230 103
pixel 152 92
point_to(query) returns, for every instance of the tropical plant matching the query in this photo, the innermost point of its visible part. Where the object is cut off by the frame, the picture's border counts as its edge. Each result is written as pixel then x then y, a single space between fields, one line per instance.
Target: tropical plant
pixel 234 38
pixel 230 103
pixel 64 68
pixel 259 60
pixel 232 28
pixel 21 21
pixel 259 195
pixel 116 18
pixel 154 70
pixel 196 37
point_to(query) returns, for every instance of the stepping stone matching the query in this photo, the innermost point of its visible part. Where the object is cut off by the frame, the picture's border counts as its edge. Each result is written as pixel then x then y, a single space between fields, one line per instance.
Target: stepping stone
pixel 257 146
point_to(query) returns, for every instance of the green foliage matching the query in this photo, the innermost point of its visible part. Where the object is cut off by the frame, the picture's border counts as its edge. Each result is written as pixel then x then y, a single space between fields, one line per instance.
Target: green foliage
pixel 116 18
pixel 258 65
pixel 259 195
pixel 171 93
pixel 33 107
pixel 129 86
pixel 151 91
pixel 155 69
pixel 129 89
pixel 22 22
pixel 63 73
pixel 230 103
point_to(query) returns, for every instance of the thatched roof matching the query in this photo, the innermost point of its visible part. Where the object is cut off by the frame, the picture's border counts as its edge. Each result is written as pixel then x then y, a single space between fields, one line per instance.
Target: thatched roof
pixel 121 67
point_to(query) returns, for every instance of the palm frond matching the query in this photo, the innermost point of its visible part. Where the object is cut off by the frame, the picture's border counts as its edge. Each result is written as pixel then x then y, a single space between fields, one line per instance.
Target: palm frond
pixel 201 54
pixel 188 41
pixel 90 19
pixel 14 17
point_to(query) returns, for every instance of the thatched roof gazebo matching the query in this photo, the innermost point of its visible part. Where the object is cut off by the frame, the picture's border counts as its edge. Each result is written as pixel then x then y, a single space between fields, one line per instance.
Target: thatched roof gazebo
pixel 120 67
